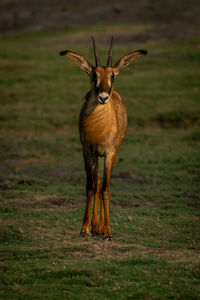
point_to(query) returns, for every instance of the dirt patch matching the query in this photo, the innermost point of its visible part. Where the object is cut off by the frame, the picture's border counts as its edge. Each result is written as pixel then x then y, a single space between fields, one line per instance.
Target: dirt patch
pixel 12 182
pixel 38 171
pixel 177 119
pixel 193 137
pixel 50 202
pixel 43 171
pixel 55 202
pixel 35 160
pixel 131 35
pixel 63 174
pixel 128 176
pixel 97 248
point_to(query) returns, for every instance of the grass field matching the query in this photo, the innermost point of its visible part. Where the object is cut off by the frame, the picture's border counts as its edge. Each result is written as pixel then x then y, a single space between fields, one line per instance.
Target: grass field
pixel 155 189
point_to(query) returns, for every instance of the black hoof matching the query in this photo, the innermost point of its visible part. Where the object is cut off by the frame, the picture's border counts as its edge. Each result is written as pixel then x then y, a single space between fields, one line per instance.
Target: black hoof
pixel 83 235
pixel 108 238
pixel 100 235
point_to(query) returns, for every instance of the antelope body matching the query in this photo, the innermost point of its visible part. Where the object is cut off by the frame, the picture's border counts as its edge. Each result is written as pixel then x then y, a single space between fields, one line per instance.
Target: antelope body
pixel 102 126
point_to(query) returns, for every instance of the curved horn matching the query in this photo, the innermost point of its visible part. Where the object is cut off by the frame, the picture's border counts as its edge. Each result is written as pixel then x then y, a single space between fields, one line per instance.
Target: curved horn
pixel 110 52
pixel 97 60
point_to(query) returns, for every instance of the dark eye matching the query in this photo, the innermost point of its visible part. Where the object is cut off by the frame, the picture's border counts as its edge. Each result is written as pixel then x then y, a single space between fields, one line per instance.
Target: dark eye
pixel 113 76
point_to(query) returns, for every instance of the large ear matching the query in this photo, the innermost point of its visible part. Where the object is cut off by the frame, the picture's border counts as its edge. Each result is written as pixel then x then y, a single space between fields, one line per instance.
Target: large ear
pixel 79 60
pixel 127 59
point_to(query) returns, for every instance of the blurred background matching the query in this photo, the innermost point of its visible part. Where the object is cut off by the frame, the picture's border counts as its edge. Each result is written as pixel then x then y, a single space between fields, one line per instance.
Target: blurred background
pixel 24 16
pixel 155 194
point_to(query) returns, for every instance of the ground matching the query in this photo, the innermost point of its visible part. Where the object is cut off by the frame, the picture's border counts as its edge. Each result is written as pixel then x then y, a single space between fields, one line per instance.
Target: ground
pixel 154 207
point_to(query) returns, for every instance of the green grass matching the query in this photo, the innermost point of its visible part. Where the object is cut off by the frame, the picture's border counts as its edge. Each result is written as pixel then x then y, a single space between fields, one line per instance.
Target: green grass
pixel 155 194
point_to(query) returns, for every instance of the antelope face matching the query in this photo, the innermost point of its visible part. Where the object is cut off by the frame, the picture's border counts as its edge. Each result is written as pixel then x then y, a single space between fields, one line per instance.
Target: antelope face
pixel 102 78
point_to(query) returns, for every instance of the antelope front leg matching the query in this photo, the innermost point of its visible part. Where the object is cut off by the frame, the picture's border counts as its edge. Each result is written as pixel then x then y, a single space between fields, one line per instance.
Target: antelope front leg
pixel 101 224
pixel 89 194
pixel 108 166
pixel 86 219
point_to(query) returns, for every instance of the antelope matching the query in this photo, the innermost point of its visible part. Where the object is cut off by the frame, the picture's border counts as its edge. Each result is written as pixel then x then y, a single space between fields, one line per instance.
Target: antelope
pixel 102 127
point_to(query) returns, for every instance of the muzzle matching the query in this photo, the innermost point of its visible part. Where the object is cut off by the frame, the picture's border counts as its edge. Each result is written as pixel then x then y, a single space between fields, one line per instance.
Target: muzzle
pixel 103 98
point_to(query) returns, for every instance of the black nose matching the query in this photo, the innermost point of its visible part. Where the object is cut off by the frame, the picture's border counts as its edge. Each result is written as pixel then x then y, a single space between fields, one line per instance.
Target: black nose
pixel 103 99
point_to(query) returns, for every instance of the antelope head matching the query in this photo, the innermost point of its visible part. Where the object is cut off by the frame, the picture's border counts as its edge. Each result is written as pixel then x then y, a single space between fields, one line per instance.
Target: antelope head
pixel 102 78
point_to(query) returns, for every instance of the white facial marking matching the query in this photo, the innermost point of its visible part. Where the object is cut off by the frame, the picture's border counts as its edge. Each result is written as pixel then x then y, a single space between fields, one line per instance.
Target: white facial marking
pixel 103 97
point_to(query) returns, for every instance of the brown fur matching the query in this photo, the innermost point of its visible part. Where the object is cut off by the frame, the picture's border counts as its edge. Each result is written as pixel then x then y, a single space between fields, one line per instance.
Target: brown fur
pixel 102 126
